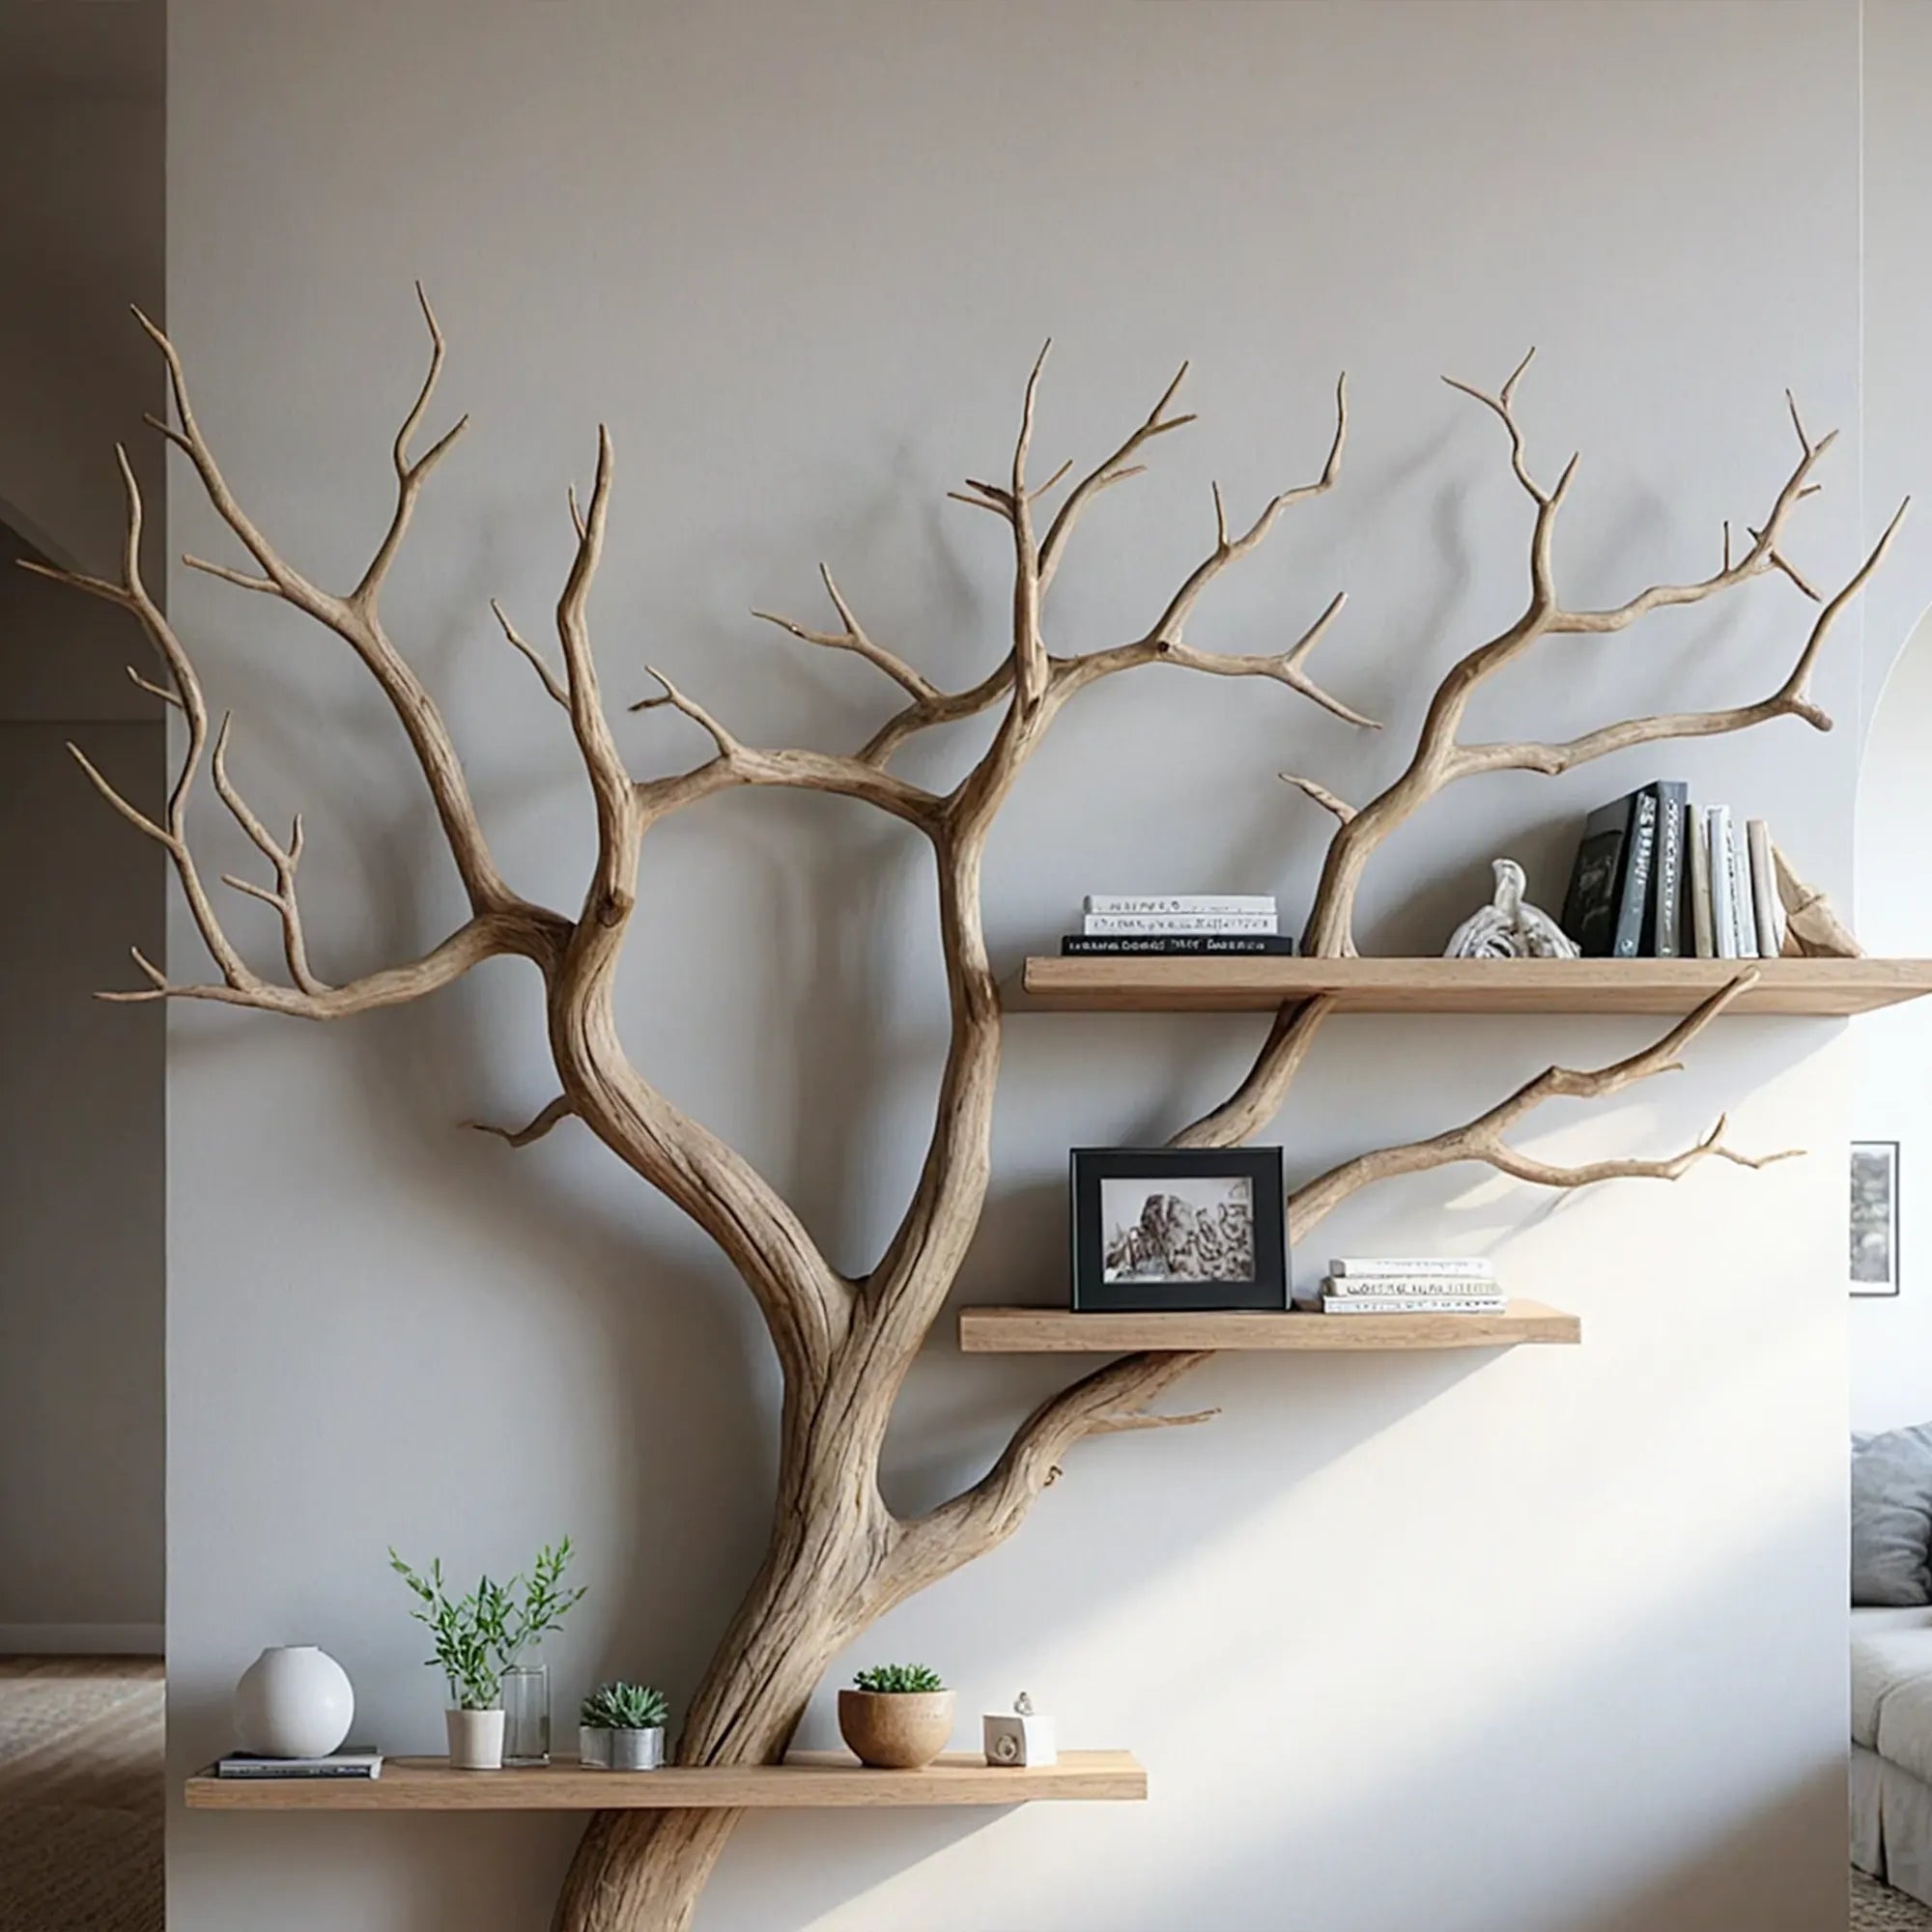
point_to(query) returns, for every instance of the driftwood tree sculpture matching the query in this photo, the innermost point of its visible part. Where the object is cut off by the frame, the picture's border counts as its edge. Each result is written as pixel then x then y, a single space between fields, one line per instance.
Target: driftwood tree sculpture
pixel 838 1557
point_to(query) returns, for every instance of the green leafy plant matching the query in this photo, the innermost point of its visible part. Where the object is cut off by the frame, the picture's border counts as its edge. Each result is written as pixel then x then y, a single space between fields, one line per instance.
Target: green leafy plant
pixel 624 1707
pixel 479 1636
pixel 896 1679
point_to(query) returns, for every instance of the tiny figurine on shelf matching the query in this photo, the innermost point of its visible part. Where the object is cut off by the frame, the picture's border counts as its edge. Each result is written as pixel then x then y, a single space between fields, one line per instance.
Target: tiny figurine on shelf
pixel 1022 1738
pixel 898 1719
pixel 621 1727
pixel 1509 927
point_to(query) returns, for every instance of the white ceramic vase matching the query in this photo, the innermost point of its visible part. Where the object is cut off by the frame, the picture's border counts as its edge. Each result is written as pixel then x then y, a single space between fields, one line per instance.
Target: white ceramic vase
pixel 295 1700
pixel 475 1740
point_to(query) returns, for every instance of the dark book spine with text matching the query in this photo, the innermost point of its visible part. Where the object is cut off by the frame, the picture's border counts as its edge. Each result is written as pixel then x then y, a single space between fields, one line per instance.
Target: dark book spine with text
pixel 1640 858
pixel 1164 945
pixel 1664 928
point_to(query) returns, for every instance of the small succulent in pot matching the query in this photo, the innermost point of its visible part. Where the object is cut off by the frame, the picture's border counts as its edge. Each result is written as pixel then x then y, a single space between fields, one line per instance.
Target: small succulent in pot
pixel 898 1716
pixel 621 1727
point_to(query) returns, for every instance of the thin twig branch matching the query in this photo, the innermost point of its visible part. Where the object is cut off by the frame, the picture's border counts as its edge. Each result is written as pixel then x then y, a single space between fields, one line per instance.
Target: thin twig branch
pixel 853 637
pixel 562 1108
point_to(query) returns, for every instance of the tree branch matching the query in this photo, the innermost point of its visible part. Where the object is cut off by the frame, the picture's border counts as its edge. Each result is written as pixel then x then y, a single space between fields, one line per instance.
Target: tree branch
pixel 853 639
pixel 562 1108
pixel 1482 1139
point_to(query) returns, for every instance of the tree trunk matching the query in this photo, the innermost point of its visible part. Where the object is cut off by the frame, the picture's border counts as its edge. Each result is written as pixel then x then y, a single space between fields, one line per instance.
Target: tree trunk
pixel 644 1871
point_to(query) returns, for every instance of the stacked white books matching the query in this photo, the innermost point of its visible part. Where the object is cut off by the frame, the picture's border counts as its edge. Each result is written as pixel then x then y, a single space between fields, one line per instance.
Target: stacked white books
pixel 1411 1285
pixel 1180 923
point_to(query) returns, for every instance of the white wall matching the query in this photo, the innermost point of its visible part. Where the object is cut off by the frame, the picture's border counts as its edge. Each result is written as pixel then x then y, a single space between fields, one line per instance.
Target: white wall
pixel 1548 1640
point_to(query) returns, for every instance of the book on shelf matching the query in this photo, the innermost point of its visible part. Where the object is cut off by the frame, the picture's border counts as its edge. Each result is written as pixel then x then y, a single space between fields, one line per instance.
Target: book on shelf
pixel 1723 886
pixel 1590 906
pixel 1764 889
pixel 1177 945
pixel 1181 902
pixel 351 1761
pixel 1349 1287
pixel 1697 876
pixel 1633 888
pixel 1663 924
pixel 1094 925
pixel 1744 907
pixel 1413 1304
pixel 1369 1268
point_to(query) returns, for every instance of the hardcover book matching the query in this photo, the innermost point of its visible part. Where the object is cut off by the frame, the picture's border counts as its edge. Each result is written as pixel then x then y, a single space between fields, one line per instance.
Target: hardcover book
pixel 1764 889
pixel 1590 907
pixel 1697 889
pixel 1634 889
pixel 1096 923
pixel 1369 1268
pixel 1415 1304
pixel 1177 945
pixel 1113 903
pixel 1664 927
pixel 1744 909
pixel 351 1761
pixel 1723 894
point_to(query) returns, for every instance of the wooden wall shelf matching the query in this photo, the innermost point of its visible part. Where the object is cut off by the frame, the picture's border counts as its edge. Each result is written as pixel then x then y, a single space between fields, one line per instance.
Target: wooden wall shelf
pixel 1255 983
pixel 1059 1331
pixel 806 1780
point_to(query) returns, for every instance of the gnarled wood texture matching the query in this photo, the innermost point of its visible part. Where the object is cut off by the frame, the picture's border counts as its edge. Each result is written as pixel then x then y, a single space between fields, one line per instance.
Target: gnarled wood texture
pixel 838 1557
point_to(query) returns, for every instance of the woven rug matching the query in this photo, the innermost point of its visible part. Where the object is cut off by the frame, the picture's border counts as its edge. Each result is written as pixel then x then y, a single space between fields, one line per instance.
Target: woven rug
pixel 80 1795
pixel 1877 1908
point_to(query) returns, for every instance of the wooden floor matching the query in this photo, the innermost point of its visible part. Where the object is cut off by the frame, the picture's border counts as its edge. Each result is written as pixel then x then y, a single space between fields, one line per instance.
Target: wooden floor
pixel 80 1794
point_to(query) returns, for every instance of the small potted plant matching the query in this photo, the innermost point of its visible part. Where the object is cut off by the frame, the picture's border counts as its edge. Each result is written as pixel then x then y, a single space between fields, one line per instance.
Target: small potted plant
pixel 478 1637
pixel 621 1727
pixel 899 1718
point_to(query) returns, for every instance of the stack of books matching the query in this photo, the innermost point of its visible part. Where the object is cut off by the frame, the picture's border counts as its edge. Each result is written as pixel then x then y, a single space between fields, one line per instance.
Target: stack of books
pixel 1410 1285
pixel 1184 924
pixel 351 1761
pixel 1657 877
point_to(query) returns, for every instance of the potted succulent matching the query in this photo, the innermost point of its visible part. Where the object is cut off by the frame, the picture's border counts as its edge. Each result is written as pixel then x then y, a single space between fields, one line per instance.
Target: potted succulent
pixel 621 1727
pixel 479 1638
pixel 899 1717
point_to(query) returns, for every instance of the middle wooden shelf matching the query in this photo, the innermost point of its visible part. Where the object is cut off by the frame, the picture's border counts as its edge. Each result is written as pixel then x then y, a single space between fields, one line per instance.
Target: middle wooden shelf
pixel 1062 1331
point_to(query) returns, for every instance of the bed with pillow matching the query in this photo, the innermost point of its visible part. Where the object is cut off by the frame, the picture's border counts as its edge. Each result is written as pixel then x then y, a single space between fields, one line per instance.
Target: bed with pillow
pixel 1891 1659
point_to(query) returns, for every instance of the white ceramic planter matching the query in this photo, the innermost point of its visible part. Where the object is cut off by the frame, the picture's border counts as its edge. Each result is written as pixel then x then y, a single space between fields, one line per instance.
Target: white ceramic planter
pixel 475 1740
pixel 603 1749
pixel 295 1700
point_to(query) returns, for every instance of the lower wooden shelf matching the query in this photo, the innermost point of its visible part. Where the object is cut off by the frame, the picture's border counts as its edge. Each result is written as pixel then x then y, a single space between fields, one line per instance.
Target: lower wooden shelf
pixel 1060 1332
pixel 804 1779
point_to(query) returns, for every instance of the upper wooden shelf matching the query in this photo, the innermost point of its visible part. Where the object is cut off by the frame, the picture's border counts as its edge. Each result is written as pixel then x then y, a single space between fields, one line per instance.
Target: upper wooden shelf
pixel 806 1780
pixel 1061 1331
pixel 1255 983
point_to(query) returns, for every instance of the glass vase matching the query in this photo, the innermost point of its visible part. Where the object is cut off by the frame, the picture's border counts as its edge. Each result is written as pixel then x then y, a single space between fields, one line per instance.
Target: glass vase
pixel 527 1714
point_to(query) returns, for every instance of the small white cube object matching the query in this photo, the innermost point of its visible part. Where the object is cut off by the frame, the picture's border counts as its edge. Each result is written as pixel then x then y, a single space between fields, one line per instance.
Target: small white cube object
pixel 1019 1739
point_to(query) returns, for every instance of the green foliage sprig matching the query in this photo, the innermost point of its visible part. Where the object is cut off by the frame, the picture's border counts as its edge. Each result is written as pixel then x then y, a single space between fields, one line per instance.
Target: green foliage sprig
pixel 624 1707
pixel 896 1679
pixel 479 1636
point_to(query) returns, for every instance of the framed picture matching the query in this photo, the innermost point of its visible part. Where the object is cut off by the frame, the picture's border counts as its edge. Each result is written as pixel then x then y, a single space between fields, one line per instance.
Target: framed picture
pixel 1178 1227
pixel 1874 1221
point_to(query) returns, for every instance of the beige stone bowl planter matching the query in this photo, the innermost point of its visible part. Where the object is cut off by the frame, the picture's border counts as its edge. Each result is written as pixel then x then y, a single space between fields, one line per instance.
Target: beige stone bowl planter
pixel 895 1730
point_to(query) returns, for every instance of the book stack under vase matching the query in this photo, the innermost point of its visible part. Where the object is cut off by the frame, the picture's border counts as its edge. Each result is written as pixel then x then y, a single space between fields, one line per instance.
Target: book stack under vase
pixel 1178 925
pixel 1408 1285
pixel 1657 877
pixel 351 1761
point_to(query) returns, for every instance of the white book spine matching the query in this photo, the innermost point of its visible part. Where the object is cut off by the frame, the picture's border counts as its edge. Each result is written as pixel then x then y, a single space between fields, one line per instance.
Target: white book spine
pixel 1742 911
pixel 1465 1268
pixel 1697 845
pixel 1723 902
pixel 1347 1288
pixel 1113 903
pixel 1416 1305
pixel 1095 923
pixel 1764 889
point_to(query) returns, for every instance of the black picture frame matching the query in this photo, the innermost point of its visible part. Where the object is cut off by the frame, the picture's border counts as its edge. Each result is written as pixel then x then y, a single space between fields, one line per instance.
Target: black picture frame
pixel 1874 1228
pixel 1091 1169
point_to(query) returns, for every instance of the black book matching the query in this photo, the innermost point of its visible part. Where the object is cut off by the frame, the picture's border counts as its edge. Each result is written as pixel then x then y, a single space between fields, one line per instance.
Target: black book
pixel 1590 907
pixel 1163 945
pixel 1639 862
pixel 1663 927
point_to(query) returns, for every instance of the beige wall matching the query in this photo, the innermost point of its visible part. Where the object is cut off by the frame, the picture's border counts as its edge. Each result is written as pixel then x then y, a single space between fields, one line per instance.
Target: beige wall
pixel 1554 1640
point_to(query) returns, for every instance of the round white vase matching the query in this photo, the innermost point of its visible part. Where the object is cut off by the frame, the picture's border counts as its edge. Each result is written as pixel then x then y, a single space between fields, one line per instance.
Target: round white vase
pixel 295 1700
pixel 475 1740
